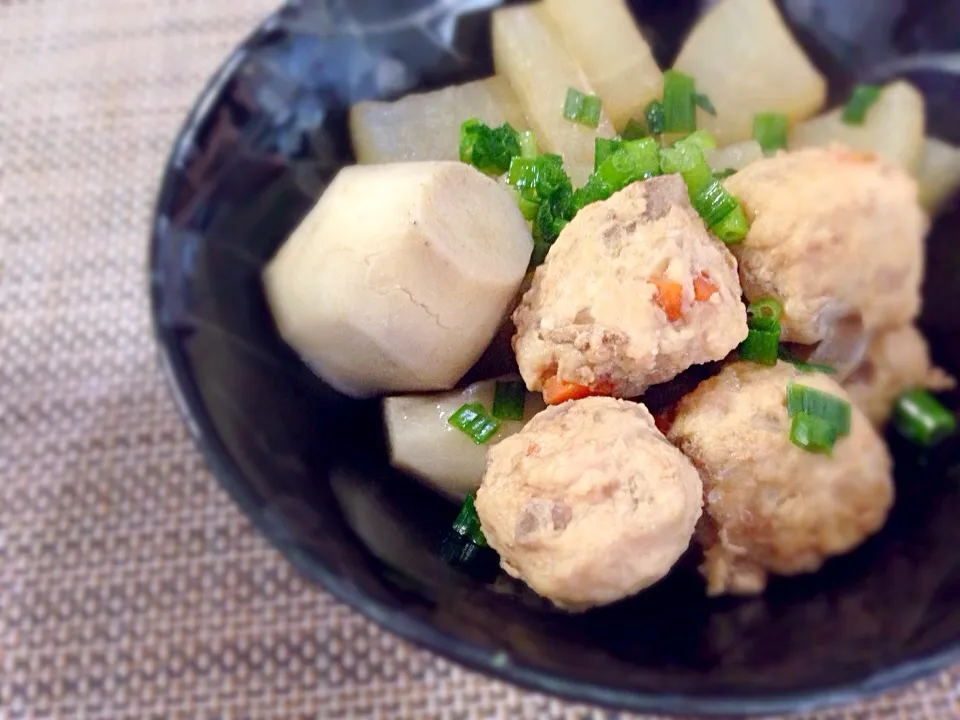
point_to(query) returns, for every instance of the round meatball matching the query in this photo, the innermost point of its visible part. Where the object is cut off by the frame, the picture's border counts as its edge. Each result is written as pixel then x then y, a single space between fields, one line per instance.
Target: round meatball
pixel 769 506
pixel 633 292
pixel 835 235
pixel 589 503
pixel 896 361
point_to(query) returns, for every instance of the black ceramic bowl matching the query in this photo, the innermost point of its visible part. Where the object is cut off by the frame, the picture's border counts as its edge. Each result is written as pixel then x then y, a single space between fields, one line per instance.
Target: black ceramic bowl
pixel 309 466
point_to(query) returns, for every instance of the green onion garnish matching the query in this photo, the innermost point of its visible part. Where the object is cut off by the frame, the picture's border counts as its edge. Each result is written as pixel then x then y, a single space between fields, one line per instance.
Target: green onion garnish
pixel 862 97
pixel 634 160
pixel 545 196
pixel 686 159
pixel 553 215
pixel 653 114
pixel 719 209
pixel 540 250
pixel 538 179
pixel 703 139
pixel 733 228
pixel 467 523
pixel 473 420
pixel 580 108
pixel 527 207
pixel 529 148
pixel 802 366
pixel 760 347
pixel 703 102
pixel 490 150
pixel 604 148
pixel 679 108
pixel 724 174
pixel 922 419
pixel 770 131
pixel 714 203
pixel 834 410
pixel 508 399
pixel 594 191
pixel 635 130
pixel 813 434
pixel 765 314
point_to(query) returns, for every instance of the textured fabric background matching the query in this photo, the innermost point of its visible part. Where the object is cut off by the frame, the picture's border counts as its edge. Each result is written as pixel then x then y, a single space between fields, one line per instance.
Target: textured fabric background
pixel 129 583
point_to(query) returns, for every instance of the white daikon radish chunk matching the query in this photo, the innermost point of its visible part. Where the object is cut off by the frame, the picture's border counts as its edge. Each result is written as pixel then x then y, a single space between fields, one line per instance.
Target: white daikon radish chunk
pixel 733 157
pixel 893 128
pixel 425 445
pixel 605 41
pixel 400 276
pixel 743 57
pixel 528 51
pixel 426 126
pixel 939 174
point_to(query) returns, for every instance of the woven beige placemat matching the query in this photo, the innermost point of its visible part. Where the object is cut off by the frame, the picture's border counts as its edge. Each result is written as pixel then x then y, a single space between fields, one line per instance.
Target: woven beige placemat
pixel 130 585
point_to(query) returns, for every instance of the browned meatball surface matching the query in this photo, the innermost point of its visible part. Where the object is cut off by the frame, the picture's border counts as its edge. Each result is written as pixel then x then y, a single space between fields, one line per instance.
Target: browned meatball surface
pixel 589 503
pixel 598 313
pixel 769 506
pixel 835 235
pixel 896 361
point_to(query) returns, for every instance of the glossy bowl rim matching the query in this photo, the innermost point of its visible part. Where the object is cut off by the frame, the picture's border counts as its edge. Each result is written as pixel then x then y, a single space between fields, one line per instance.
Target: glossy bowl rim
pixel 180 385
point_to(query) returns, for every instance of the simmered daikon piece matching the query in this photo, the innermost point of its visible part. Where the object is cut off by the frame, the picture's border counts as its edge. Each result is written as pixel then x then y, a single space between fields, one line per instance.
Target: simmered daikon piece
pixel 528 51
pixel 604 40
pixel 939 174
pixel 426 126
pixel 745 60
pixel 424 443
pixel 893 128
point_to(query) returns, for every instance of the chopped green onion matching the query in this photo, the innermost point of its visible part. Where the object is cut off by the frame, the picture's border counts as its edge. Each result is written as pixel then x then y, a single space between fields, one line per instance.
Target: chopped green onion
pixel 635 160
pixel 656 123
pixel 580 108
pixel 724 174
pixel 679 108
pixel 813 434
pixel 508 399
pixel 760 347
pixel 467 523
pixel 635 130
pixel 819 404
pixel 473 420
pixel 529 148
pixel 703 139
pixel 490 150
pixel 733 228
pixel 770 130
pixel 720 210
pixel 714 203
pixel 594 191
pixel 528 208
pixel 802 366
pixel 538 179
pixel 553 215
pixel 703 102
pixel 461 551
pixel 540 250
pixel 765 314
pixel 686 159
pixel 922 419
pixel 604 148
pixel 862 97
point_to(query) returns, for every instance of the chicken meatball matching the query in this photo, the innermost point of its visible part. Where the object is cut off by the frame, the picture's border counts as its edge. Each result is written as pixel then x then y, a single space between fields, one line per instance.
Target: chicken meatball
pixel 633 292
pixel 769 506
pixel 589 503
pixel 896 361
pixel 836 235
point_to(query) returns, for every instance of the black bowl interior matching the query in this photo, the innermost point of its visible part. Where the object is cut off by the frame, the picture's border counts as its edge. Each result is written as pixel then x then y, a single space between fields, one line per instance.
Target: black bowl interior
pixel 309 467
